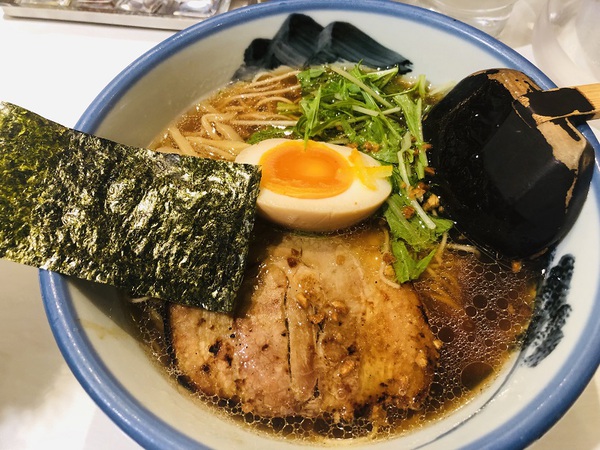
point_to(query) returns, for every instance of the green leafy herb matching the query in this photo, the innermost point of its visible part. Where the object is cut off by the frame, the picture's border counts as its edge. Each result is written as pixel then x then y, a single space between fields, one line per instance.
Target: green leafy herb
pixel 413 242
pixel 375 111
pixel 271 133
pixel 152 224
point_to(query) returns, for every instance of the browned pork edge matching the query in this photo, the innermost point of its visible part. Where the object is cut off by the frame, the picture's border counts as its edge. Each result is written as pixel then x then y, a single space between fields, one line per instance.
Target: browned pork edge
pixel 318 332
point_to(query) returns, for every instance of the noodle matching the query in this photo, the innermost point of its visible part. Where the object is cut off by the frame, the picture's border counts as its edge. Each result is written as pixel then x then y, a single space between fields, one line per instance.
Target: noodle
pixel 219 126
pixel 182 142
pixel 262 94
pixel 478 297
pixel 274 99
pixel 225 149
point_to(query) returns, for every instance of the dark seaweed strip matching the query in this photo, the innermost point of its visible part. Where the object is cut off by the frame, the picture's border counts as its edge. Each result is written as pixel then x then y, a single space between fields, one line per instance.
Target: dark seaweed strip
pixel 343 41
pixel 152 224
pixel 294 43
pixel 301 41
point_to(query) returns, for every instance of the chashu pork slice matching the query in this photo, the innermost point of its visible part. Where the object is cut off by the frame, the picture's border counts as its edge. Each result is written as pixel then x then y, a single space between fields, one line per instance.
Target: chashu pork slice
pixel 318 331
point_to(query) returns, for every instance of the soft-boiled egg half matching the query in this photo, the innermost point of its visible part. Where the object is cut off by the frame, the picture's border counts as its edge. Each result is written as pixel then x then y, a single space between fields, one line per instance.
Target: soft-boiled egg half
pixel 315 186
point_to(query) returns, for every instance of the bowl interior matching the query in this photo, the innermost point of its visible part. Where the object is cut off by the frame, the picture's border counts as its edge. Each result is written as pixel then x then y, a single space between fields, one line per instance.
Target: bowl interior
pixel 122 378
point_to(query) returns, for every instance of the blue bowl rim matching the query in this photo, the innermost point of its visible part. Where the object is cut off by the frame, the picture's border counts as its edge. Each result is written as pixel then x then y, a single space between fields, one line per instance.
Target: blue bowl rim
pixel 151 432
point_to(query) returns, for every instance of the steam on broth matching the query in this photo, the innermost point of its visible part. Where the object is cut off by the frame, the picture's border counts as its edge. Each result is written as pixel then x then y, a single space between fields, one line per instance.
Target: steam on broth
pixel 476 309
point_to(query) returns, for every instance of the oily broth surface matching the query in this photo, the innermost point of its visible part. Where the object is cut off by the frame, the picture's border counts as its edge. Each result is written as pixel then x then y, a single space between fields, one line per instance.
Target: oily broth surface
pixel 478 308
pixel 480 327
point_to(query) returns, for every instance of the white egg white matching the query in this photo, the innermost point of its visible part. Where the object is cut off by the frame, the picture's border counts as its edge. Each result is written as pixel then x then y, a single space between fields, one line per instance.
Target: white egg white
pixel 350 207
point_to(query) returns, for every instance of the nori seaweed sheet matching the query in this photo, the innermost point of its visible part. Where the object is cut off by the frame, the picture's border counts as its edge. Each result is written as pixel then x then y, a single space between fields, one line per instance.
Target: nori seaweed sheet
pixel 301 42
pixel 152 224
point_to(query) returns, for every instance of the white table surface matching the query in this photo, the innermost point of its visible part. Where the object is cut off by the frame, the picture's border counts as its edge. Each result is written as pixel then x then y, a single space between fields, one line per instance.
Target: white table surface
pixel 56 69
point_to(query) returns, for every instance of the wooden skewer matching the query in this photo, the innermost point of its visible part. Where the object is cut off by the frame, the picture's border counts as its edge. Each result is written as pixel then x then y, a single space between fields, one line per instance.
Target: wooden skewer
pixel 578 101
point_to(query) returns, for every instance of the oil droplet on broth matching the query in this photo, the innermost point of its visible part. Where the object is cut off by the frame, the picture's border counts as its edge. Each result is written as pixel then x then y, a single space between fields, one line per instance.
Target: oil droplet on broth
pixel 477 337
pixel 492 310
pixel 474 374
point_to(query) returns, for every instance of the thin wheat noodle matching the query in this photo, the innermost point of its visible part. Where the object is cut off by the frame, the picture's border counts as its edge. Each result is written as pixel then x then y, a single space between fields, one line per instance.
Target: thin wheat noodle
pixel 273 78
pixel 273 123
pixel 386 249
pixel 450 280
pixel 260 89
pixel 384 278
pixel 232 146
pixel 245 96
pixel 218 116
pixel 184 146
pixel 262 116
pixel 227 132
pixel 214 151
pixel 208 120
pixel 274 99
pixel 440 250
pixel 386 242
pixel 206 108
pixel 237 108
pixel 445 296
pixel 464 248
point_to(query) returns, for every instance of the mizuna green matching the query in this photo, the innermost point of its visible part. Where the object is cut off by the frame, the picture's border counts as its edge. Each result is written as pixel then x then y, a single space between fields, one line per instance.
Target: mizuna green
pixel 368 109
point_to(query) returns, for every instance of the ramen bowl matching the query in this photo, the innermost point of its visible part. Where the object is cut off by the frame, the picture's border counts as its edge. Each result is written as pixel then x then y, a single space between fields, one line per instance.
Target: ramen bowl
pixel 536 387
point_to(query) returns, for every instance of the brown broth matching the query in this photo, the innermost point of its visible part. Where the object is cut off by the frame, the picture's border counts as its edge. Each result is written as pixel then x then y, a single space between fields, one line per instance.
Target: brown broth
pixel 487 323
pixel 478 308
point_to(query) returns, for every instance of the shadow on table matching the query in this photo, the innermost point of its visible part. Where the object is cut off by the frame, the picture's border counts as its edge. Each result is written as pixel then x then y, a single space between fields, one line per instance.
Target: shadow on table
pixel 31 365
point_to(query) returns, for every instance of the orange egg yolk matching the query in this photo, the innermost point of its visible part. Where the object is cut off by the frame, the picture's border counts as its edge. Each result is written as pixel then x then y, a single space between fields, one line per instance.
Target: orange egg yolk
pixel 305 171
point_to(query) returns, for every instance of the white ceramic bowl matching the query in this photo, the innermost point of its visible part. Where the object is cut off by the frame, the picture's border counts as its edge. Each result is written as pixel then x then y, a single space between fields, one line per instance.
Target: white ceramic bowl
pixel 522 404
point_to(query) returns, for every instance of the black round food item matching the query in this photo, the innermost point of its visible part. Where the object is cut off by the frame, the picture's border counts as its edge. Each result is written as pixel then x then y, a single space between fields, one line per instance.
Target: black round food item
pixel 513 186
